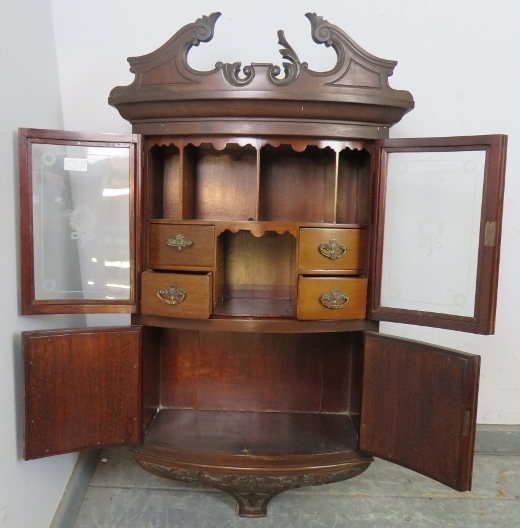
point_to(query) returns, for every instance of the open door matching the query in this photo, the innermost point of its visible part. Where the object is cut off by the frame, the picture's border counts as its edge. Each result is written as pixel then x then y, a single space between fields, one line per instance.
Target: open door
pixel 418 407
pixel 82 389
pixel 79 204
pixel 436 232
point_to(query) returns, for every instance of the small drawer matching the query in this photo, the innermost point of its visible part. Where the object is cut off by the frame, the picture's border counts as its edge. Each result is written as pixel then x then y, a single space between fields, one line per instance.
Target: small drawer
pixel 186 295
pixel 331 249
pixel 332 298
pixel 181 245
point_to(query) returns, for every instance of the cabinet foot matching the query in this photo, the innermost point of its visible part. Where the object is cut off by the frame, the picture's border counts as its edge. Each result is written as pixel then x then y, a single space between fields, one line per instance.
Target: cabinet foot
pixel 251 488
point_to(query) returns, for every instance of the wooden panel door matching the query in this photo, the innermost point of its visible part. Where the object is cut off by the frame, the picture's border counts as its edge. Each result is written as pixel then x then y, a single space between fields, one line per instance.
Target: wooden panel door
pixel 82 389
pixel 436 232
pixel 419 406
pixel 79 212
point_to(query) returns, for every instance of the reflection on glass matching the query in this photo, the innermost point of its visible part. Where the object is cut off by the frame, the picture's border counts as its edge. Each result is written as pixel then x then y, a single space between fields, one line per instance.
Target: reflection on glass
pixel 81 228
pixel 432 226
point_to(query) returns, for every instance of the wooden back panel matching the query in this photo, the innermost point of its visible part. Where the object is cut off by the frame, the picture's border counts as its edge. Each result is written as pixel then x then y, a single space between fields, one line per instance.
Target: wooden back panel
pixel 258 372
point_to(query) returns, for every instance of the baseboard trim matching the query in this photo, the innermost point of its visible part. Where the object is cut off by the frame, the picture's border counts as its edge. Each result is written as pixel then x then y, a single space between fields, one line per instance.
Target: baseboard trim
pixel 498 439
pixel 72 499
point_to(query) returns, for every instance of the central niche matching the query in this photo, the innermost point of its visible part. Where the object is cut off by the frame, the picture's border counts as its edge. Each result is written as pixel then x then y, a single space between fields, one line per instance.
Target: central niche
pixel 257 276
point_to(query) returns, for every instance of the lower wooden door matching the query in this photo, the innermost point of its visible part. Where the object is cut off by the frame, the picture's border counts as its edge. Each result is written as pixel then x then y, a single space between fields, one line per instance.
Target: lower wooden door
pixel 82 389
pixel 418 408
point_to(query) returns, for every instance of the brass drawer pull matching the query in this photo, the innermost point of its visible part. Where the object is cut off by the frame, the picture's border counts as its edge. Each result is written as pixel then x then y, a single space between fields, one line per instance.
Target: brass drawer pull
pixel 171 295
pixel 334 300
pixel 179 242
pixel 332 250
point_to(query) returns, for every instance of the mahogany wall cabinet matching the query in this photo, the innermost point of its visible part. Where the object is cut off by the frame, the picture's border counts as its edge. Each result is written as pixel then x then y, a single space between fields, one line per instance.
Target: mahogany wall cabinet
pixel 257 225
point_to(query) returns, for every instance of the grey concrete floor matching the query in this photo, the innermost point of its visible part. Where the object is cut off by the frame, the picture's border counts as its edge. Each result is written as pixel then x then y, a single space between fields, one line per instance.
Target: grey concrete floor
pixel 122 495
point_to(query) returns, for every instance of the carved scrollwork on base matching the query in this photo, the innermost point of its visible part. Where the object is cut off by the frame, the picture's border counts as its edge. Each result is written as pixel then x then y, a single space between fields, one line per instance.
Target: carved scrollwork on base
pixel 252 492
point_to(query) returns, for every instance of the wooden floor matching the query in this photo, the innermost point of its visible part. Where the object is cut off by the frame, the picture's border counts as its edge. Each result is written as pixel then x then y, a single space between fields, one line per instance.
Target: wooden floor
pixel 122 495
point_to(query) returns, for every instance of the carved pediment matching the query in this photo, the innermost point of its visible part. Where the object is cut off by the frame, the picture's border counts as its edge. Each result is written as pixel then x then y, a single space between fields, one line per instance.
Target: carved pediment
pixel 355 90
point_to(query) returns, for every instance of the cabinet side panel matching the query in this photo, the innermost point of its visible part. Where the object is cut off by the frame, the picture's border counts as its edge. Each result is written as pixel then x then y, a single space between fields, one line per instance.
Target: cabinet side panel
pixel 82 390
pixel 171 184
pixel 418 407
pixel 353 187
pixel 150 373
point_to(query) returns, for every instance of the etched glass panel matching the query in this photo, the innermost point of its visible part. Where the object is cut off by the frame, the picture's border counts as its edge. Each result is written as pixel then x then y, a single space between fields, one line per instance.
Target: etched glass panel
pixel 81 226
pixel 432 225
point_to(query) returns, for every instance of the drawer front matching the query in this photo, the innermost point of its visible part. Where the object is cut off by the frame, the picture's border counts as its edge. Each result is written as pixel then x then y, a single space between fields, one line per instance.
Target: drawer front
pixel 181 245
pixel 176 294
pixel 332 298
pixel 331 249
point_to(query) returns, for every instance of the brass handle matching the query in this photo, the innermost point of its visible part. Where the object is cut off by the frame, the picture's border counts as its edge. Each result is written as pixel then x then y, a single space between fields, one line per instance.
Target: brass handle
pixel 179 242
pixel 171 295
pixel 334 300
pixel 332 250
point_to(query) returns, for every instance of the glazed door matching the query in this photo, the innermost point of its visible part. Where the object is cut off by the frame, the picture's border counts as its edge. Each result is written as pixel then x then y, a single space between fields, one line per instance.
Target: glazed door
pixel 79 201
pixel 436 232
pixel 82 389
pixel 419 407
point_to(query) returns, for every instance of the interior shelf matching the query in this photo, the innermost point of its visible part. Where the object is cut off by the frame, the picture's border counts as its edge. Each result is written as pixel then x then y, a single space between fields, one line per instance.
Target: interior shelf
pixel 273 325
pixel 251 307
pixel 250 434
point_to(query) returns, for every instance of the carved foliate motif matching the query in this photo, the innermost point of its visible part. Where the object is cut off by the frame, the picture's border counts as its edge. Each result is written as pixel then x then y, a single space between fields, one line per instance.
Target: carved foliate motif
pixel 252 492
pixel 357 77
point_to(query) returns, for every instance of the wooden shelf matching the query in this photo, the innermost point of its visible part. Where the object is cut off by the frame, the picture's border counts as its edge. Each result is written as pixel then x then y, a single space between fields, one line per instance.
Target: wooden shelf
pixel 274 325
pixel 259 437
pixel 250 307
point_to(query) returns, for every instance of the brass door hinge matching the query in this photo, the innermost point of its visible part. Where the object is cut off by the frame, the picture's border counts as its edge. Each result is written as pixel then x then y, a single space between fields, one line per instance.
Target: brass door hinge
pixel 490 234
pixel 465 427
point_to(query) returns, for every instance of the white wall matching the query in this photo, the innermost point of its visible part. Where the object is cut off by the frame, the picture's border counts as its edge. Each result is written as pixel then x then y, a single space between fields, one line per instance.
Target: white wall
pixel 457 59
pixel 30 96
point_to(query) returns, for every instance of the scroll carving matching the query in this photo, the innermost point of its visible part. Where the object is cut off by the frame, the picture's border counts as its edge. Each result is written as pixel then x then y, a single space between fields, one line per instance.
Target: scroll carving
pixel 358 79
pixel 252 492
pixel 169 66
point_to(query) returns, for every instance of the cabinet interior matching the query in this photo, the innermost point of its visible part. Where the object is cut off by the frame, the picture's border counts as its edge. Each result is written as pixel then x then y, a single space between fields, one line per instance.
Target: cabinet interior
pixel 264 183
pixel 240 387
pixel 249 228
pixel 258 275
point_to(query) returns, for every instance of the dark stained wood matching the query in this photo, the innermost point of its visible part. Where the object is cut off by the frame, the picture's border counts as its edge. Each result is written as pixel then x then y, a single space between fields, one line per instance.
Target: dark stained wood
pixel 150 373
pixel 419 405
pixel 255 307
pixel 237 452
pixel 287 176
pixel 168 96
pixel 170 180
pixel 483 321
pixel 250 434
pixel 230 388
pixel 273 325
pixel 225 183
pixel 261 372
pixel 258 265
pixel 354 170
pixel 27 137
pixel 180 369
pixel 356 376
pixel 82 389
